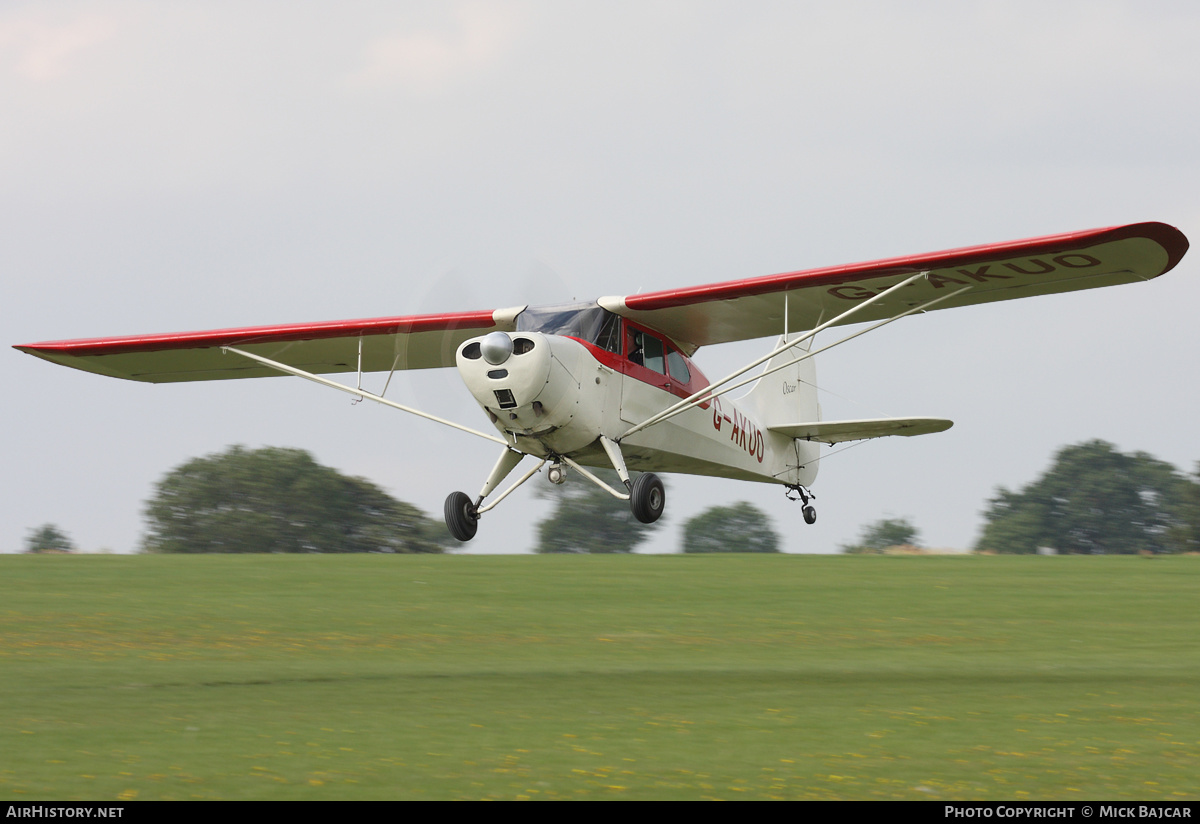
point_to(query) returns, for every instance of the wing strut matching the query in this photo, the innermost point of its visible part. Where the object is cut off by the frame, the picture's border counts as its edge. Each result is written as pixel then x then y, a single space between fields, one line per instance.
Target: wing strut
pixel 808 355
pixel 709 392
pixel 360 393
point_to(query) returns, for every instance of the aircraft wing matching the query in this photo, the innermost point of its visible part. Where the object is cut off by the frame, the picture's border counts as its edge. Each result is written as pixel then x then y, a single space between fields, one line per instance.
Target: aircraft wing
pixel 754 308
pixel 413 342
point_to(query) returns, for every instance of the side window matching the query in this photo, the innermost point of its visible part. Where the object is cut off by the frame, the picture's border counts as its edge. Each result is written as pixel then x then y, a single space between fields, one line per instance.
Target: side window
pixel 646 351
pixel 679 371
pixel 637 353
pixel 654 354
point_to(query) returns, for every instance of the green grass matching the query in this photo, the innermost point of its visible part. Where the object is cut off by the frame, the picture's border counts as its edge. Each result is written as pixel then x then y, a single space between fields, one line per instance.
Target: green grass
pixel 599 677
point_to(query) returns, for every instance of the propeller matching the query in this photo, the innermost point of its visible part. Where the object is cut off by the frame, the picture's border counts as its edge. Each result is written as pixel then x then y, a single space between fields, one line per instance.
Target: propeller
pixel 454 289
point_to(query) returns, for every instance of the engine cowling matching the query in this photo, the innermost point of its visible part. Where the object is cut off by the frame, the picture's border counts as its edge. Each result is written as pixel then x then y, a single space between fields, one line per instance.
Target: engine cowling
pixel 531 386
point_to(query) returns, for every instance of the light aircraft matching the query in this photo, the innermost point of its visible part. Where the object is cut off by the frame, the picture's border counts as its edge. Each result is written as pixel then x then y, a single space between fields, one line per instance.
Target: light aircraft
pixel 612 383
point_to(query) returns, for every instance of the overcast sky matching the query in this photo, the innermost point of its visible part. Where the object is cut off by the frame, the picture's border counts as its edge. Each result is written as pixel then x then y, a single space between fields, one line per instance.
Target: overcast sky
pixel 179 166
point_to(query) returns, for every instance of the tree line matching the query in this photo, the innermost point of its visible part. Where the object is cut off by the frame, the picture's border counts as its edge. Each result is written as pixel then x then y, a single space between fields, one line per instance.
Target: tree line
pixel 1096 500
pixel 281 500
pixel 1093 499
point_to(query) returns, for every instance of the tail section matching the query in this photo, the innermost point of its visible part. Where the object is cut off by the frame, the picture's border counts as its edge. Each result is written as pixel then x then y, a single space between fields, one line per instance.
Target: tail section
pixel 785 397
pixel 784 402
pixel 789 395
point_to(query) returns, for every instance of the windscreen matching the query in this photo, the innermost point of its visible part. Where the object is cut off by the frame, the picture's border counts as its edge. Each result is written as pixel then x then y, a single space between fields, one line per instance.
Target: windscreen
pixel 585 321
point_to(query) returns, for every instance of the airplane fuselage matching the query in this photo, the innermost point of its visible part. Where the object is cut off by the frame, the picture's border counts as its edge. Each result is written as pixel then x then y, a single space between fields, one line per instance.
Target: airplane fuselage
pixel 556 395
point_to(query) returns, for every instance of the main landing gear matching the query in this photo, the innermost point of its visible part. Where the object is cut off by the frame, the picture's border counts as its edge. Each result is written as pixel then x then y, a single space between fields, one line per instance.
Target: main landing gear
pixel 646 495
pixel 462 514
pixel 647 498
pixel 462 518
pixel 804 495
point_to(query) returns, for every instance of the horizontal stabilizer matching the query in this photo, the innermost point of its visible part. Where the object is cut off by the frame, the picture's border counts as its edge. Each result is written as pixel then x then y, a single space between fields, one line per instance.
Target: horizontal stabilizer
pixel 832 432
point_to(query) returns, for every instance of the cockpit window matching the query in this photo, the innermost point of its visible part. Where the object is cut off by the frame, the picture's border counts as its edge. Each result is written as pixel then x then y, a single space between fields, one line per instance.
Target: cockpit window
pixel 646 350
pixel 585 321
pixel 678 366
pixel 654 355
pixel 610 334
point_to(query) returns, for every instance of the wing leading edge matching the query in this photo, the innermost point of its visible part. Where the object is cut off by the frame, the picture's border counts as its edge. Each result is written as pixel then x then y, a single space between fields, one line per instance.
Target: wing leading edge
pixel 754 308
pixel 413 342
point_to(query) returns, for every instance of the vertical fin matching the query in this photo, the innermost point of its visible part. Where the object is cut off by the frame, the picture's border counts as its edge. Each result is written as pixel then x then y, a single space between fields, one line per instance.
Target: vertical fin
pixel 789 395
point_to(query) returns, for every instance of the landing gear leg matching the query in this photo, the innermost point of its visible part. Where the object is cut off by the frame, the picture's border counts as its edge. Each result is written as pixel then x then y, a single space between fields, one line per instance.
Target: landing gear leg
pixel 804 495
pixel 462 515
pixel 647 498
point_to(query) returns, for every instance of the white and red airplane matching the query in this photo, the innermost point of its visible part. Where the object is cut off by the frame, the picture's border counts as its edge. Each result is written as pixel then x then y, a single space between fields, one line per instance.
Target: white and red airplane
pixel 612 383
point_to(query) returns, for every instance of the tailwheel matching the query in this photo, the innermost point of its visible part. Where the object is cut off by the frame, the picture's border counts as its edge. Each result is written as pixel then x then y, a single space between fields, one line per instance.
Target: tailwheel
pixel 462 519
pixel 796 492
pixel 647 498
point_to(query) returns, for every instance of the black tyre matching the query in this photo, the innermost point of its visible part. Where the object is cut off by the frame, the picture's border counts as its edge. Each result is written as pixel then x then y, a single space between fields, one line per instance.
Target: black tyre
pixel 461 518
pixel 810 514
pixel 647 498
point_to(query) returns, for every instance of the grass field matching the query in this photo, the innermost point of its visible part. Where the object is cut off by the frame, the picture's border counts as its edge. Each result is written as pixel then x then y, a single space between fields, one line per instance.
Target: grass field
pixel 301 677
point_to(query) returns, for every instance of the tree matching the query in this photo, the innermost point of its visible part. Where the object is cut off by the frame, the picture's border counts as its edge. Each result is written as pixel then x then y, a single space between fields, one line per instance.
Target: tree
pixel 48 538
pixel 1185 535
pixel 880 535
pixel 588 519
pixel 279 500
pixel 1094 499
pixel 741 527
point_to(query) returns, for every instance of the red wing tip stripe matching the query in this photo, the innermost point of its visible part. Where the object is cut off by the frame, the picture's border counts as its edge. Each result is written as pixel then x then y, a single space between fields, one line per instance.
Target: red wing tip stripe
pixel 262 334
pixel 1173 242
